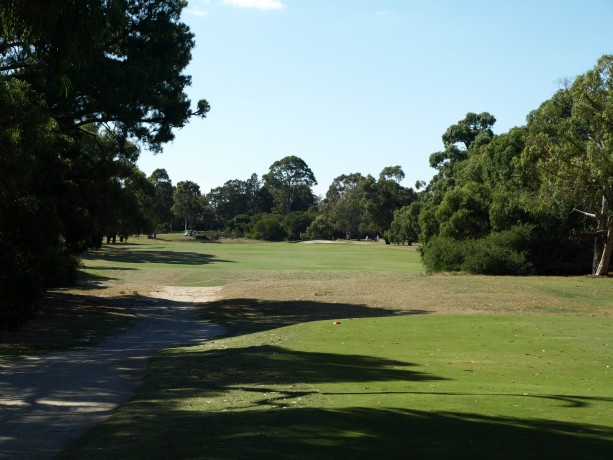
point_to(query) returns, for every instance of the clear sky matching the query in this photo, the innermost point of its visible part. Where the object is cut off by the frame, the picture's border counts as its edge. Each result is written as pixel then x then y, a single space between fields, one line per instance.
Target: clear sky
pixel 357 85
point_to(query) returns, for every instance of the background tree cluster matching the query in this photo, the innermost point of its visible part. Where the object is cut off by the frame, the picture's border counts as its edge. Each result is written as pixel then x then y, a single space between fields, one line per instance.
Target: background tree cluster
pixel 534 199
pixel 283 205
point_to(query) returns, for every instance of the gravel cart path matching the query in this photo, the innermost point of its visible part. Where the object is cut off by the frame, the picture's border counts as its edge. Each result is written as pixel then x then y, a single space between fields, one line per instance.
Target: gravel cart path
pixel 48 401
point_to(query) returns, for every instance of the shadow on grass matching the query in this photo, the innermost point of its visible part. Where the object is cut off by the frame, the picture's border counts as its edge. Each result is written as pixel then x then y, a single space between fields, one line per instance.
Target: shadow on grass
pixel 250 315
pixel 106 267
pixel 66 321
pixel 351 433
pixel 120 255
pixel 264 401
pixel 268 365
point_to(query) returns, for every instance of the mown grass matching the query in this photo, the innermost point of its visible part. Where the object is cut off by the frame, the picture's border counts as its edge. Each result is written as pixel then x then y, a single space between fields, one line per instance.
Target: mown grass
pixel 349 273
pixel 417 386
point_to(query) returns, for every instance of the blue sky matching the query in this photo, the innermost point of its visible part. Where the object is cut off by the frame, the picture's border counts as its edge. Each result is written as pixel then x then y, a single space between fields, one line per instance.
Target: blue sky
pixel 357 85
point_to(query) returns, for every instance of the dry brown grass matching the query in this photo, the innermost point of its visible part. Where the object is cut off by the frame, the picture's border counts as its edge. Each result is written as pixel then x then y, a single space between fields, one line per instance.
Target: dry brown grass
pixel 435 293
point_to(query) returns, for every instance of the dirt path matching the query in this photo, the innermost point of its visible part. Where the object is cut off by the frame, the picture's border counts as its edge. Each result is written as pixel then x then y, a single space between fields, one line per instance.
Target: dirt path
pixel 48 401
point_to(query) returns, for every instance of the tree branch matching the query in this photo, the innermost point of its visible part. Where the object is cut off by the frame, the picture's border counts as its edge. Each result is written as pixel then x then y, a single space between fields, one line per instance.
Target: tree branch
pixel 575 235
pixel 588 214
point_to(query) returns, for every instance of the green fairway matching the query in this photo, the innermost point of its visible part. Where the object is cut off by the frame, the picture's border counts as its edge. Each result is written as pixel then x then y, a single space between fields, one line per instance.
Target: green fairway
pixel 188 262
pixel 419 366
pixel 452 386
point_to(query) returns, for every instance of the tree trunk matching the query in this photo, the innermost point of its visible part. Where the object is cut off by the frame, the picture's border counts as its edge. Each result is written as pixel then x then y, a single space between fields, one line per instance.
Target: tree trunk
pixel 602 269
pixel 603 245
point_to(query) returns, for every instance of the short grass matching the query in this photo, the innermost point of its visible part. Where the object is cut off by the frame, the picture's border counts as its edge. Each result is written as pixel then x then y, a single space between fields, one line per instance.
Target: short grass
pixel 420 366
pixel 416 386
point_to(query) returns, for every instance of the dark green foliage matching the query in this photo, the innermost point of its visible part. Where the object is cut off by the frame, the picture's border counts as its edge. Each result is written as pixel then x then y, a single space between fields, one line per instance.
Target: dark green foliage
pixel 443 254
pixel 236 198
pixel 82 85
pixel 382 197
pixel 117 62
pixel 267 227
pixel 187 203
pixel 31 178
pixel 296 223
pixel 405 226
pixel 289 181
pixel 570 145
pixel 162 200
pixel 499 253
pixel 240 224
pixel 463 213
pixel 319 229
pixel 357 204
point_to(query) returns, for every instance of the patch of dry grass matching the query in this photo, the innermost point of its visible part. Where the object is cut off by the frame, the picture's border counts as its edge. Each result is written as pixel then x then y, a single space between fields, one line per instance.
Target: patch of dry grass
pixel 581 296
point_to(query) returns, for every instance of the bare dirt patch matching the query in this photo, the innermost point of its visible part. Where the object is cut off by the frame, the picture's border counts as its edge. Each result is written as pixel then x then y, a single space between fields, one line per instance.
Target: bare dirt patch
pixel 69 320
pixel 186 294
pixel 82 318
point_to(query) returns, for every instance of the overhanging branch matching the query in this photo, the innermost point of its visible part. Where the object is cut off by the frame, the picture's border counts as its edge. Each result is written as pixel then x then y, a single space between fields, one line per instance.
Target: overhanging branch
pixel 588 214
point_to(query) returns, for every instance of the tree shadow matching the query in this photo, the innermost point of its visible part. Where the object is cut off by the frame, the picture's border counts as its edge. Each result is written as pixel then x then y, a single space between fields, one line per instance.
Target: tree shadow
pixel 363 433
pixel 117 255
pixel 66 320
pixel 264 366
pixel 350 433
pixel 250 315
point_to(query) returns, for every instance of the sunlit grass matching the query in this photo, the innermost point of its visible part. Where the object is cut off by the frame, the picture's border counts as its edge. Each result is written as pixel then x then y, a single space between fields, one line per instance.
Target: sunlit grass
pixel 450 386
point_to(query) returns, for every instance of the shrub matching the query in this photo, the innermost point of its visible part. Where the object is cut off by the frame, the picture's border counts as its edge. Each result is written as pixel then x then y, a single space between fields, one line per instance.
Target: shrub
pixel 443 254
pixel 296 223
pixel 320 229
pixel 267 228
pixel 499 253
pixel 240 224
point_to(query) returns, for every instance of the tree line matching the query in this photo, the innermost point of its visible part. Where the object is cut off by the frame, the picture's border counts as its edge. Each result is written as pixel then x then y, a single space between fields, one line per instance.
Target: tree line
pixel 533 200
pixel 83 86
pixel 282 204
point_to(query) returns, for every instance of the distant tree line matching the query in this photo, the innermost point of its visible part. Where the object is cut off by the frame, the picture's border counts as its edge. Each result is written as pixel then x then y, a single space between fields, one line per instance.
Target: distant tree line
pixel 533 200
pixel 282 205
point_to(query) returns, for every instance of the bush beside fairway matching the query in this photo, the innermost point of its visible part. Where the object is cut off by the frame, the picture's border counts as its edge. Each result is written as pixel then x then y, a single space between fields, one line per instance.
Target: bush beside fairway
pixel 524 374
